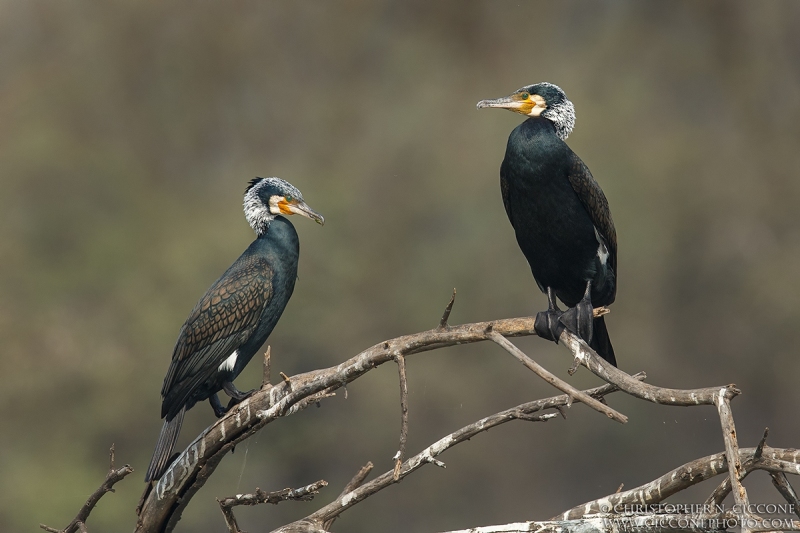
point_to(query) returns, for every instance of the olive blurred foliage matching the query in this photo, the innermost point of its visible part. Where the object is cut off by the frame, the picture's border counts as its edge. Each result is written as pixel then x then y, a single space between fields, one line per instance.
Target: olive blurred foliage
pixel 128 131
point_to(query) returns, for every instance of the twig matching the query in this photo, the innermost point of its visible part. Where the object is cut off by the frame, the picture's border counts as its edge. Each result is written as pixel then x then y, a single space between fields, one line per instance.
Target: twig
pixel 429 454
pixel 735 469
pixel 761 444
pixel 266 380
pixel 446 315
pixel 112 477
pixel 555 381
pixel 787 491
pixel 301 494
pixel 401 451
pixel 356 482
pixel 587 357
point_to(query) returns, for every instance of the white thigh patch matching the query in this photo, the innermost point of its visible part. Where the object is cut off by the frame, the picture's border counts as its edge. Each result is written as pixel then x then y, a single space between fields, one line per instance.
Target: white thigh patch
pixel 228 364
pixel 602 251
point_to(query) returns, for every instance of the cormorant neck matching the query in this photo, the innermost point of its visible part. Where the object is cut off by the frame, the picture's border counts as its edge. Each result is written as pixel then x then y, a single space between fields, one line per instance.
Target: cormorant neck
pixel 276 221
pixel 541 126
pixel 257 213
pixel 261 226
pixel 562 116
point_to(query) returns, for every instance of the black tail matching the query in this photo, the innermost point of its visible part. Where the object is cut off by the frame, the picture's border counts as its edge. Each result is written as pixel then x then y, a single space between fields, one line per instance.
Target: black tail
pixel 600 341
pixel 166 443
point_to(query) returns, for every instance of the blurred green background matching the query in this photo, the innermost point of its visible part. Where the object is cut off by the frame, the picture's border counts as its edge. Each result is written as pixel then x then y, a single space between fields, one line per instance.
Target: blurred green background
pixel 129 130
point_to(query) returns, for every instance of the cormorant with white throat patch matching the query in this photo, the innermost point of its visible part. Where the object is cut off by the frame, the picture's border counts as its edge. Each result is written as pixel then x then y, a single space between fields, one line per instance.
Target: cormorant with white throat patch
pixel 560 216
pixel 236 315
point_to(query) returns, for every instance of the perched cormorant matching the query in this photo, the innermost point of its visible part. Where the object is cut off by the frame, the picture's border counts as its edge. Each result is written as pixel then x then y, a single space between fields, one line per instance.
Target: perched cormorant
pixel 236 315
pixel 559 214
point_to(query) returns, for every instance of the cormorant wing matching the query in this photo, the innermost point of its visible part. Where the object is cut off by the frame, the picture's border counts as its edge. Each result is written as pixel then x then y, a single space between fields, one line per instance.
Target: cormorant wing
pixel 223 320
pixel 596 205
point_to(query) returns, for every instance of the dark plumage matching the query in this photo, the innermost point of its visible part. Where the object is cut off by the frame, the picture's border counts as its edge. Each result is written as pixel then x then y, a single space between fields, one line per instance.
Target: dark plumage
pixel 559 213
pixel 236 315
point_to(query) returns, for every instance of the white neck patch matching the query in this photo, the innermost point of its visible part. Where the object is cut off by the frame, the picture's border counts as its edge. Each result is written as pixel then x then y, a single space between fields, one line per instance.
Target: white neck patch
pixel 563 118
pixel 256 212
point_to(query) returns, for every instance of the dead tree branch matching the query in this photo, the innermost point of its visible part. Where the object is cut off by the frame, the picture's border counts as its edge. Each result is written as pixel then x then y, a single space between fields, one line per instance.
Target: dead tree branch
pixel 446 315
pixel 348 499
pixel 781 483
pixel 555 381
pixel 694 472
pixel 112 477
pixel 356 482
pixel 162 507
pixel 259 496
pixel 163 502
pixel 640 523
pixel 735 469
pixel 586 357
pixel 401 451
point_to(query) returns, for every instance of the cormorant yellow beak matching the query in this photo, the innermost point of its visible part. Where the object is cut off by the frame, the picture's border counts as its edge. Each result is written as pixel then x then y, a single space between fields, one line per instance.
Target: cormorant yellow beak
pixel 520 102
pixel 297 207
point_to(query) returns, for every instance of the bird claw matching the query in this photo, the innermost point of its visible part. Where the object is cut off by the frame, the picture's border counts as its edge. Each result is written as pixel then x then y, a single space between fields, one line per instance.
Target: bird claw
pixel 548 325
pixel 580 320
pixel 216 405
pixel 242 396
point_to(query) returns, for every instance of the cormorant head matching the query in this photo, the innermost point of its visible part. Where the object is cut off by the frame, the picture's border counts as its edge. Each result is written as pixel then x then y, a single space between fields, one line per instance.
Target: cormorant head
pixel 540 100
pixel 266 198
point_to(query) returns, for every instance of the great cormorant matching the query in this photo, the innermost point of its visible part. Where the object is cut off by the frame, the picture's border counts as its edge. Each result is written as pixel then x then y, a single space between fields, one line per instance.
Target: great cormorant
pixel 236 315
pixel 559 214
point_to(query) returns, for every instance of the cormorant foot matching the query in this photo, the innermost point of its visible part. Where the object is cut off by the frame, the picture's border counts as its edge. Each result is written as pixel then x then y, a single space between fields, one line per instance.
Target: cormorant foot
pixel 236 395
pixel 231 390
pixel 580 320
pixel 216 405
pixel 548 324
pixel 234 402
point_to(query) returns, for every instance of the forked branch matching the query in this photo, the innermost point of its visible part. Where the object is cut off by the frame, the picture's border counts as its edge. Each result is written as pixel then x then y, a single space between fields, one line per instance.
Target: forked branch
pixel 524 411
pixel 259 496
pixel 112 477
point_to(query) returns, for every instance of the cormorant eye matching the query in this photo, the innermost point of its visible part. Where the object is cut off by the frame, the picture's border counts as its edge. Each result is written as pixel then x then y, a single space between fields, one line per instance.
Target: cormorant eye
pixel 289 198
pixel 525 96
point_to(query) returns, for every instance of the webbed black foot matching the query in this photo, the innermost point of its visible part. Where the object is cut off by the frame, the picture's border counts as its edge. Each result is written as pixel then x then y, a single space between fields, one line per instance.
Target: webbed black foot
pixel 580 319
pixel 548 324
pixel 235 394
pixel 216 405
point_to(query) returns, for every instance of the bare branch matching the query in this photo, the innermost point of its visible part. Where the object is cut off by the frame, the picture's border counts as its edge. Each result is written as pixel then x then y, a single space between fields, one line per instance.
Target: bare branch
pixel 638 523
pixel 266 380
pixel 446 315
pixel 587 357
pixel 735 469
pixel 555 381
pixel 401 451
pixel 302 494
pixel 694 472
pixel 356 482
pixel 162 507
pixel 521 412
pixel 787 491
pixel 112 477
pixel 761 444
